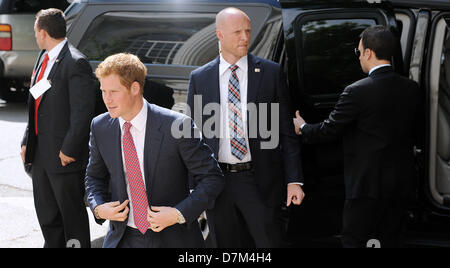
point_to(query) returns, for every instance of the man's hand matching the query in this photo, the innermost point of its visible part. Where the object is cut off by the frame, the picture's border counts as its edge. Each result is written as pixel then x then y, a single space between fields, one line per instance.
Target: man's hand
pixel 113 211
pixel 161 218
pixel 295 194
pixel 298 122
pixel 22 153
pixel 65 160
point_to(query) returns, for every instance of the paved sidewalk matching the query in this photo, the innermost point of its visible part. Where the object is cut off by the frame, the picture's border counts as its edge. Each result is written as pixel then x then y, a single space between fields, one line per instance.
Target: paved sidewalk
pixel 19 227
pixel 19 224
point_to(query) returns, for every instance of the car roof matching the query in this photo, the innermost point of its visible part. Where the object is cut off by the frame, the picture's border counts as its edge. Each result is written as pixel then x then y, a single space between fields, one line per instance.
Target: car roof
pixel 274 3
pixel 423 3
pixel 444 4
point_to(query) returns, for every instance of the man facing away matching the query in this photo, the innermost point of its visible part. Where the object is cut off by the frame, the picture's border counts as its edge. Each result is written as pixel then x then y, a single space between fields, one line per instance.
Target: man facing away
pixel 247 212
pixel 55 143
pixel 134 152
pixel 377 117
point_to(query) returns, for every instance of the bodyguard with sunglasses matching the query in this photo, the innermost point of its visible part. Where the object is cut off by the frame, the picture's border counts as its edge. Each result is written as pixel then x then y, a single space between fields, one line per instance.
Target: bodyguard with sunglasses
pixel 376 117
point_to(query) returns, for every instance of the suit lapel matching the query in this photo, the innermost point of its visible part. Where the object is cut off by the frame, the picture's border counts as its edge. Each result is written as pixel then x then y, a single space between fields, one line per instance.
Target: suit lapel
pixel 214 86
pixel 37 67
pixel 61 55
pixel 214 95
pixel 255 75
pixel 152 146
pixel 55 67
pixel 117 145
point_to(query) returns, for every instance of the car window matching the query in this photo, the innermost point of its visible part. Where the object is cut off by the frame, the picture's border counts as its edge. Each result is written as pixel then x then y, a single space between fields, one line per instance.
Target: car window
pixel 33 6
pixel 444 83
pixel 156 38
pixel 327 54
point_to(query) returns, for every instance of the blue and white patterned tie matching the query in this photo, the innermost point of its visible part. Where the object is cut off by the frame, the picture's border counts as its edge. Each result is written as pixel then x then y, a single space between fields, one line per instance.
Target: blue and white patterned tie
pixel 237 136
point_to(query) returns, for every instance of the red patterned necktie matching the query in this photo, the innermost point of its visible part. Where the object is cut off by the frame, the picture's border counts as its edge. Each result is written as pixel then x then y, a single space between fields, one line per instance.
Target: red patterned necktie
pixel 135 181
pixel 38 100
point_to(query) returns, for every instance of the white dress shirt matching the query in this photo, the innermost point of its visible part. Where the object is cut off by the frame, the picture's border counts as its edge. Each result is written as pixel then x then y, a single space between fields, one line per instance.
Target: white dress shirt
pixel 52 56
pixel 225 155
pixel 137 130
pixel 378 67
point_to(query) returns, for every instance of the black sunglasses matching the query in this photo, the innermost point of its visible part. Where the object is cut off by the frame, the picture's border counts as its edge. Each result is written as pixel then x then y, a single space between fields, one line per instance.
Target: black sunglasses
pixel 357 52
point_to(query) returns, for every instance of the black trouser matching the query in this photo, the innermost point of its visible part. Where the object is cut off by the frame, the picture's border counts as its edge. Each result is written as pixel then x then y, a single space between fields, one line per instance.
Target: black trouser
pixel 240 217
pixel 60 208
pixel 133 238
pixel 367 219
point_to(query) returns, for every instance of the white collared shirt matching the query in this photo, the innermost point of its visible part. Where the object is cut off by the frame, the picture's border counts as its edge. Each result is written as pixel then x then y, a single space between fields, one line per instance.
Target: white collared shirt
pixel 378 67
pixel 137 130
pixel 225 155
pixel 52 56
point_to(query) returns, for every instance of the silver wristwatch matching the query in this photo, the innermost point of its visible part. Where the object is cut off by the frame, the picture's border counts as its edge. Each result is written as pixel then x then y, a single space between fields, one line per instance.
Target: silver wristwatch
pixel 180 218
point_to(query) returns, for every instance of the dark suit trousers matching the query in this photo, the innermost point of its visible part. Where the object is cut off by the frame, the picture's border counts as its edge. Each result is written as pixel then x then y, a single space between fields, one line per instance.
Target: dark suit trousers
pixel 133 238
pixel 366 219
pixel 60 208
pixel 240 218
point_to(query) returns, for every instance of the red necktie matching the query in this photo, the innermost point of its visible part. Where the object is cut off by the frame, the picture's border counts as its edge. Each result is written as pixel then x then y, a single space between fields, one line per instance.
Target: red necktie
pixel 38 100
pixel 135 181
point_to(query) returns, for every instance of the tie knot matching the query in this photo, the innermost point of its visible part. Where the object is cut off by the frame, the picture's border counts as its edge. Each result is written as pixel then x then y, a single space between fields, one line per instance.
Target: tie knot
pixel 233 68
pixel 127 127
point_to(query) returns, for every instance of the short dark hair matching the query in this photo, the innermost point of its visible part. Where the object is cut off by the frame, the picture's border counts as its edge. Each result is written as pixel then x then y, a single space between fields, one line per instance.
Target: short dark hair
pixel 380 40
pixel 53 21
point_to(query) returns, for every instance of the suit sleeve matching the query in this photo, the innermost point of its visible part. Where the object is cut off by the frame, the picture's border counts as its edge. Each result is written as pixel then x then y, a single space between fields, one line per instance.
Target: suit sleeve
pixel 27 129
pixel 82 99
pixel 205 171
pixel 345 112
pixel 30 99
pixel 290 142
pixel 25 137
pixel 190 97
pixel 97 177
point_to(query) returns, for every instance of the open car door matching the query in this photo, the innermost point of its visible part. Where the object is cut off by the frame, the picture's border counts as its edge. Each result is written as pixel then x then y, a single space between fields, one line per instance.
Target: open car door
pixel 320 38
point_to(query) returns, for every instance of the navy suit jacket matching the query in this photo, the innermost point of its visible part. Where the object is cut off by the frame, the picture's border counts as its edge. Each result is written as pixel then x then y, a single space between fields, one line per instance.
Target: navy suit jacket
pixel 167 161
pixel 274 168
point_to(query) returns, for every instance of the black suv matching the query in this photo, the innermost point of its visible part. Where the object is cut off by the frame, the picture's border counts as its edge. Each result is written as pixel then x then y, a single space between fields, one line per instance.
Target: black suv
pixel 314 41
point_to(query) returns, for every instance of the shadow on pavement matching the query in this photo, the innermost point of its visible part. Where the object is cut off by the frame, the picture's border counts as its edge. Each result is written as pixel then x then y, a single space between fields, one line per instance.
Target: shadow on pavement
pixel 13 112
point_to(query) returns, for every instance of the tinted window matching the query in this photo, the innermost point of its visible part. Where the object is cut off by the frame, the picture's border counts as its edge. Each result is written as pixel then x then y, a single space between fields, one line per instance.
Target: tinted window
pixel 167 93
pixel 157 38
pixel 444 83
pixel 33 6
pixel 166 38
pixel 328 60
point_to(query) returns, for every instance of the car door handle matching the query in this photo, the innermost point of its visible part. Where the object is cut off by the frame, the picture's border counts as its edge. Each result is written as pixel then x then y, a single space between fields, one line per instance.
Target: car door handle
pixel 417 151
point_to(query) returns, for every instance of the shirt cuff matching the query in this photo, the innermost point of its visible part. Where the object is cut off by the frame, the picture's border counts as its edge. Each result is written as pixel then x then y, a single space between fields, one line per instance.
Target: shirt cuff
pixel 296 183
pixel 301 127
